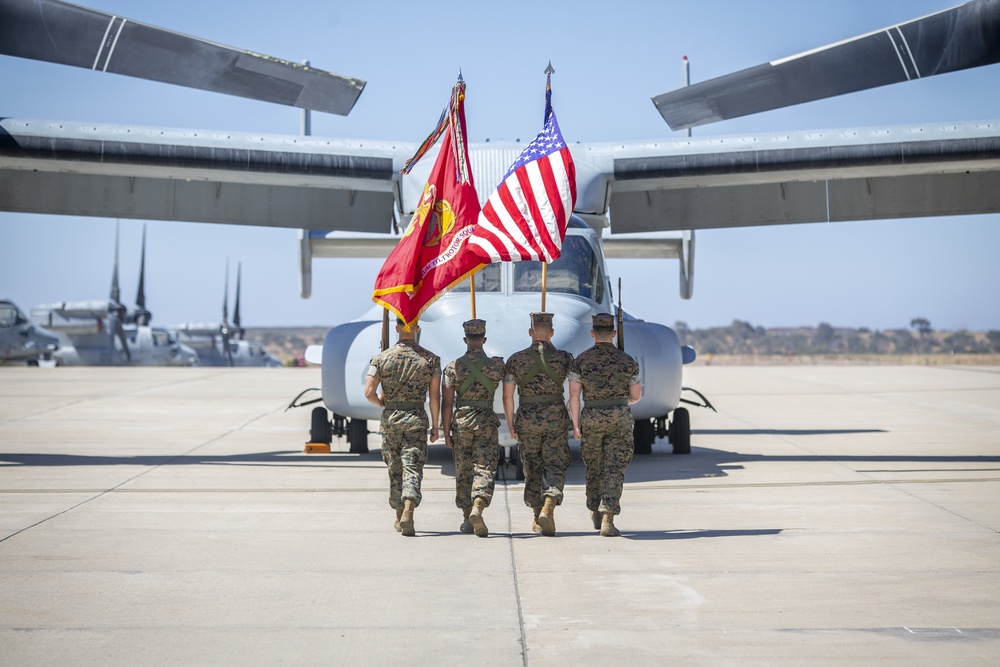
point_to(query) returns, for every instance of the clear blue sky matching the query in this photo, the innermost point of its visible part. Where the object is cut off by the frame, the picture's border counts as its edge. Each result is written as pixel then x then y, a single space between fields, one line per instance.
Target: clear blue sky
pixel 610 58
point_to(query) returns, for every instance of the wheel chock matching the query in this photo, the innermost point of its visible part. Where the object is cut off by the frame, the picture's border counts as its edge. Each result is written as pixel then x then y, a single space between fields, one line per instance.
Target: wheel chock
pixel 317 448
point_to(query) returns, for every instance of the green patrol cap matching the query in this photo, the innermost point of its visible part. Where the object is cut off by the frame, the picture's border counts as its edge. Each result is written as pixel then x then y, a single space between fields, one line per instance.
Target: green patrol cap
pixel 474 327
pixel 604 321
pixel 541 319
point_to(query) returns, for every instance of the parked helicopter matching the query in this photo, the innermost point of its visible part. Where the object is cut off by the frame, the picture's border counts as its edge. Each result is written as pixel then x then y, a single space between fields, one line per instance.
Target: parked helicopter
pixel 22 340
pixel 224 344
pixel 104 333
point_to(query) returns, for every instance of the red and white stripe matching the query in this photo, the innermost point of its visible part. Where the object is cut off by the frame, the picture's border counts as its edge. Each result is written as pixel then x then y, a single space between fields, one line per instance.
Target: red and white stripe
pixel 526 217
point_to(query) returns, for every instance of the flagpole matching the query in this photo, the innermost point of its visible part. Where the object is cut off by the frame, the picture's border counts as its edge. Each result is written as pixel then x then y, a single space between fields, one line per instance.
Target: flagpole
pixel 472 291
pixel 544 266
pixel 385 329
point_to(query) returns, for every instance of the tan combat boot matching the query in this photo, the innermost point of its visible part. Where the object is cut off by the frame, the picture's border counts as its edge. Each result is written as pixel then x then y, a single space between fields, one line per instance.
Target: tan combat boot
pixel 399 514
pixel 466 526
pixel 597 518
pixel 547 517
pixel 534 522
pixel 476 517
pixel 406 519
pixel 608 526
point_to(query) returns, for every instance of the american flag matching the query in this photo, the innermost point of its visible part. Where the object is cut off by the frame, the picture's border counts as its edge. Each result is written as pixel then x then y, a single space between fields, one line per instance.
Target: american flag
pixel 526 217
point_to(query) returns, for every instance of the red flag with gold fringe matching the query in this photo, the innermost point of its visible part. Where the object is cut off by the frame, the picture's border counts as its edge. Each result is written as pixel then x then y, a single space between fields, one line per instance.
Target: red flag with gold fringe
pixel 433 254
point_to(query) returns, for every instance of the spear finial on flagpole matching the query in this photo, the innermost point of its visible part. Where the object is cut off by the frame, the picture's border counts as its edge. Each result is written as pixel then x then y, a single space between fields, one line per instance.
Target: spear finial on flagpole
pixel 549 71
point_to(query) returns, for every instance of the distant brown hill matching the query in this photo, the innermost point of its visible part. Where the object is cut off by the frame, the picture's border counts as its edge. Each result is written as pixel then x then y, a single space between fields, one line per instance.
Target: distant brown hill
pixel 743 341
pixel 288 343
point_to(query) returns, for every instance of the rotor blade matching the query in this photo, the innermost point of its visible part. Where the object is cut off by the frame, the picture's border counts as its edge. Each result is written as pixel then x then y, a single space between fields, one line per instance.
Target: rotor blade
pixel 142 315
pixel 225 298
pixel 120 333
pixel 959 38
pixel 226 346
pixel 236 310
pixel 115 292
pixel 66 34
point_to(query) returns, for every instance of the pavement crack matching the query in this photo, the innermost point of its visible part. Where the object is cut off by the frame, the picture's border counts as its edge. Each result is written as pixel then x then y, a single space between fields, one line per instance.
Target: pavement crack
pixel 514 574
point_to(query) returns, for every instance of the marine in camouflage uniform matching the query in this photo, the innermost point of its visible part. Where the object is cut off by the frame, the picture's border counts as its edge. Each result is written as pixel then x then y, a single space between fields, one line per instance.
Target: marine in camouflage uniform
pixel 470 383
pixel 541 425
pixel 608 379
pixel 407 373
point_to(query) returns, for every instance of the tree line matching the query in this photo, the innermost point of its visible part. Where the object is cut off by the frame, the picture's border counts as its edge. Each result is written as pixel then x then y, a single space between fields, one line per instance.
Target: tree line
pixel 744 338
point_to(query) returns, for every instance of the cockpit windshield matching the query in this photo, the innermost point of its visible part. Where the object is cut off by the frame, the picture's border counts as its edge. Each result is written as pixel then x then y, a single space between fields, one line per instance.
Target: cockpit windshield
pixel 487 280
pixel 10 316
pixel 577 271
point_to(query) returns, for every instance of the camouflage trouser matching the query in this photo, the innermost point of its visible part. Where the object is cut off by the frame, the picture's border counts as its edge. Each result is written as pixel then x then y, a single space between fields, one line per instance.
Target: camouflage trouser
pixel 544 451
pixel 404 450
pixel 477 453
pixel 607 450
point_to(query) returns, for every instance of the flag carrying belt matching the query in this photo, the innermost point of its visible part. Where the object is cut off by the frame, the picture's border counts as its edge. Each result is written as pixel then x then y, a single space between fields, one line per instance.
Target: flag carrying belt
pixel 538 364
pixel 605 403
pixel 403 405
pixel 475 373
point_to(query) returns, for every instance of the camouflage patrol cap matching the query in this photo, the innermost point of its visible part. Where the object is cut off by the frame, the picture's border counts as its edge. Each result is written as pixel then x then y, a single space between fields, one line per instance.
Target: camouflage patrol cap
pixel 541 319
pixel 604 321
pixel 474 327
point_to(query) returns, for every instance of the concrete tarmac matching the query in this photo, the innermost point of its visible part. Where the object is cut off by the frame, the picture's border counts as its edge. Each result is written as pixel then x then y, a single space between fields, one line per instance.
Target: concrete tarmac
pixel 827 515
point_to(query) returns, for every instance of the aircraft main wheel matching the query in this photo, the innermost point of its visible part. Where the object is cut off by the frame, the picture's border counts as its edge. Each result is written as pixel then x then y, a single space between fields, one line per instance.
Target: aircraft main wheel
pixel 357 436
pixel 680 431
pixel 320 431
pixel 643 436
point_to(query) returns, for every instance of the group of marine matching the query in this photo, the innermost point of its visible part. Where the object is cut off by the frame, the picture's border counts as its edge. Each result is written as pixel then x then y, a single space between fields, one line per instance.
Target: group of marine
pixel 606 378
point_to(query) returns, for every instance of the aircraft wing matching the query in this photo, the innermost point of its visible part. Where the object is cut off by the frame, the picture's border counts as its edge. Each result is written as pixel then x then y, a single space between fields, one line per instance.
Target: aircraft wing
pixel 59 32
pixel 70 168
pixel 792 177
pixel 353 186
pixel 954 39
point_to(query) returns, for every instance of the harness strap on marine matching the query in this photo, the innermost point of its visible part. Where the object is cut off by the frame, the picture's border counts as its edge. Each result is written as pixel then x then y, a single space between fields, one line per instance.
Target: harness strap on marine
pixel 475 373
pixel 538 364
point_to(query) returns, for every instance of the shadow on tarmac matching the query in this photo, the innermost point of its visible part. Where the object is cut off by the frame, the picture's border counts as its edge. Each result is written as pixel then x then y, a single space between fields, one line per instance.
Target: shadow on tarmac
pixel 639 535
pixel 702 463
pixel 771 431
pixel 695 534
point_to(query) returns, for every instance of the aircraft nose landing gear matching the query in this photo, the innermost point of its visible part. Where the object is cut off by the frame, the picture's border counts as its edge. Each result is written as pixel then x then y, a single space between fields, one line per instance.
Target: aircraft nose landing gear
pixel 509 456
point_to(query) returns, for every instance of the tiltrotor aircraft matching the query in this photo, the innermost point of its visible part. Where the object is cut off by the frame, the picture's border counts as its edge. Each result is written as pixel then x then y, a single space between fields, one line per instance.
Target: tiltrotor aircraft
pixel 224 344
pixel 623 188
pixel 105 333
pixel 22 341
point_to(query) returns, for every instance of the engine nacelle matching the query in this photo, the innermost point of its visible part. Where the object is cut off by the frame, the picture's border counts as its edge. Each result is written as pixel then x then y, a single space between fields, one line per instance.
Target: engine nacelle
pixel 658 352
pixel 347 353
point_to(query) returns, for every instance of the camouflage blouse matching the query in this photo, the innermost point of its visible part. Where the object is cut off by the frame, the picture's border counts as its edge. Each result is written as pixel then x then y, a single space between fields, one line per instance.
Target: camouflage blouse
pixel 520 364
pixel 405 371
pixel 456 373
pixel 605 372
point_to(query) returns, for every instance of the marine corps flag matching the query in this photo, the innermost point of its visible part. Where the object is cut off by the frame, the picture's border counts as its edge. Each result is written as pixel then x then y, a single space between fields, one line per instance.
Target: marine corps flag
pixel 432 256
